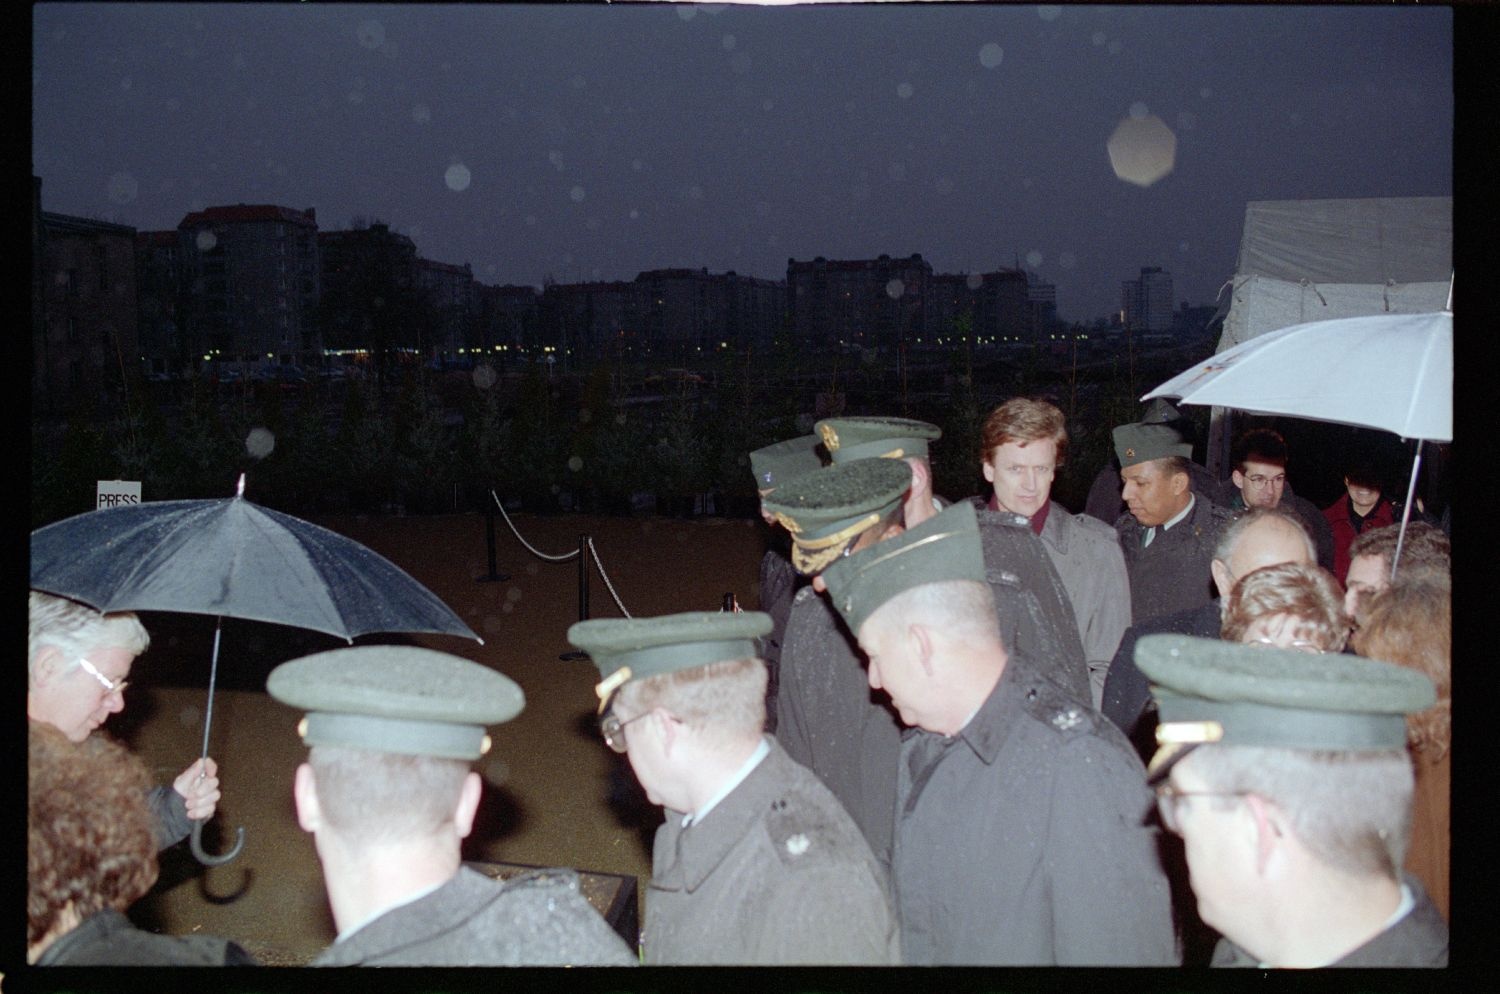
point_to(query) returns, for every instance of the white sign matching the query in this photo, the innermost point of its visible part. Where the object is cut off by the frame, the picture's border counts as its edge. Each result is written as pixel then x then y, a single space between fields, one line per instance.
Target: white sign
pixel 113 493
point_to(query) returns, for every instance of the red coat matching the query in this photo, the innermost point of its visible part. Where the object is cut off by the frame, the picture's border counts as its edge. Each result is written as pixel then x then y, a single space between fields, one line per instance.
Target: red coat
pixel 1337 513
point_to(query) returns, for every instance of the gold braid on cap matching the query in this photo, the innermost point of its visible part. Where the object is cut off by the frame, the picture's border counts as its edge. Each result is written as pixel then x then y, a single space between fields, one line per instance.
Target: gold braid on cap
pixel 812 555
pixel 897 453
pixel 830 437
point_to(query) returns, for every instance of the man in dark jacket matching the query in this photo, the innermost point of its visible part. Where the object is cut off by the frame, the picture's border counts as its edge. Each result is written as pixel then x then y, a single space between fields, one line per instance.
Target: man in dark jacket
pixel 388 796
pixel 1287 776
pixel 756 863
pixel 828 719
pixel 1258 538
pixel 1021 834
pixel 772 466
pixel 1167 532
pixel 1258 479
pixel 1104 501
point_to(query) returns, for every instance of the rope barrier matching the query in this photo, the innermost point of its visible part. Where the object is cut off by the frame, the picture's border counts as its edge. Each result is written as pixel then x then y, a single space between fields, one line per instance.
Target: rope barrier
pixel 533 551
pixel 607 584
pixel 594 552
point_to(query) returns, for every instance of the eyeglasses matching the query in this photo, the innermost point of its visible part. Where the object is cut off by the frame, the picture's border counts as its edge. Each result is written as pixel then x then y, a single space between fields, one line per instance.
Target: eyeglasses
pixel 1168 797
pixel 110 687
pixel 613 730
pixel 1301 645
pixel 1258 481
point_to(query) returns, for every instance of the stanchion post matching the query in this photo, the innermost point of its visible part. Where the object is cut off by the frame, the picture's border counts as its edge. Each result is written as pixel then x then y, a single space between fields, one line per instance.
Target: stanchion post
pixel 583 592
pixel 489 542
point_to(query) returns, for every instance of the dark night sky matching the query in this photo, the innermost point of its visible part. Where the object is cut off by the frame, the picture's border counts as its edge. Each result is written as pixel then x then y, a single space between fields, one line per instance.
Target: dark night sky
pixel 594 142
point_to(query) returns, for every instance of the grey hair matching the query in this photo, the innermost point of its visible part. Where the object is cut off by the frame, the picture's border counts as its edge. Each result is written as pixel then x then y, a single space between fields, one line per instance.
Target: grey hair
pixel 1230 536
pixel 75 630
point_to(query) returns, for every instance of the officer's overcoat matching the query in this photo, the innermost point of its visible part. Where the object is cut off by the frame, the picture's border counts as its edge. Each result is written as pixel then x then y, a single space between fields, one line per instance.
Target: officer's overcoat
pixel 539 919
pixel 1024 840
pixel 775 873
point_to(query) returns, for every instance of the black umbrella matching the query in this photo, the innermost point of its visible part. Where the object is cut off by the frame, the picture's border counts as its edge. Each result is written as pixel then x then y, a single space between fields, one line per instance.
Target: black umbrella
pixel 231 558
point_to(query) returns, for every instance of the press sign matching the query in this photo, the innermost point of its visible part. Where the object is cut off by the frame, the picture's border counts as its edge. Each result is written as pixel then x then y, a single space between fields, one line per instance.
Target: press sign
pixel 113 493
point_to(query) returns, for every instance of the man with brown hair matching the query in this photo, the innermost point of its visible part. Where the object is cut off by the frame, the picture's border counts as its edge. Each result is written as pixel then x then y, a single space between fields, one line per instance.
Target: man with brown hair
pixel 1424 549
pixel 1258 479
pixel 1024 443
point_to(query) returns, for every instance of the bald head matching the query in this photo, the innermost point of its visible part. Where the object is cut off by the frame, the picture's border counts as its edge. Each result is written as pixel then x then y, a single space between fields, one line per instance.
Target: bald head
pixel 1261 537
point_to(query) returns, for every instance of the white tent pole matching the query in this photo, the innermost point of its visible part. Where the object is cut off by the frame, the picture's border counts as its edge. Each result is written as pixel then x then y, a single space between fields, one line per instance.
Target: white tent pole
pixel 1411 488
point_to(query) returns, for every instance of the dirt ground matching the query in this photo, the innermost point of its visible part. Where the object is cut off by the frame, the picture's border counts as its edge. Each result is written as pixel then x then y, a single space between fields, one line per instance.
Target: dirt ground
pixel 555 795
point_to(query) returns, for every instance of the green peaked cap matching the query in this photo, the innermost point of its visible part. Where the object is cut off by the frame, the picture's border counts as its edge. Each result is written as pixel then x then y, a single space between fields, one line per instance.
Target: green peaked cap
pixel 827 509
pixel 944 547
pixel 848 439
pixel 626 649
pixel 1137 443
pixel 396 698
pixel 1212 691
pixel 782 462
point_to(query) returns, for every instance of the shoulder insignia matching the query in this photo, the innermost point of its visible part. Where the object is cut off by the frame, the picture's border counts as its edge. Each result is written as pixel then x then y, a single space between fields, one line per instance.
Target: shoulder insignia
pixel 1059 712
pixel 794 829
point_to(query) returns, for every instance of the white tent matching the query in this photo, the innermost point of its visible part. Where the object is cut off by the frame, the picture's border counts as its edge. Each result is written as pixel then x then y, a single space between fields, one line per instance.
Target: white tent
pixel 1311 260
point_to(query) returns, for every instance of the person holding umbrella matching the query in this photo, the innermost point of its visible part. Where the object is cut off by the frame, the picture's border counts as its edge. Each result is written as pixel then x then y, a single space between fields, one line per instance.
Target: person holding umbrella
pixel 78 662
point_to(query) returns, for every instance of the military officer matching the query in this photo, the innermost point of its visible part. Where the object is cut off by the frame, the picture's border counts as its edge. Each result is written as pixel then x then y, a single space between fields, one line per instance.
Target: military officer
pixel 756 863
pixel 388 795
pixel 1287 776
pixel 772 466
pixel 1021 834
pixel 1167 532
pixel 826 719
pixel 848 439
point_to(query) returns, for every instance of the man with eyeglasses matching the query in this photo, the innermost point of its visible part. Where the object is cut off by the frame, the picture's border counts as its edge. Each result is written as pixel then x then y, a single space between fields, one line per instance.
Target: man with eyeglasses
pixel 1258 479
pixel 77 664
pixel 1287 777
pixel 756 862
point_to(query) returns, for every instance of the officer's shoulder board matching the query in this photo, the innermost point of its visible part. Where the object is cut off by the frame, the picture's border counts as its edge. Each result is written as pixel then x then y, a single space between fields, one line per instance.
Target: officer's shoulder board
pixel 796 831
pixel 1064 715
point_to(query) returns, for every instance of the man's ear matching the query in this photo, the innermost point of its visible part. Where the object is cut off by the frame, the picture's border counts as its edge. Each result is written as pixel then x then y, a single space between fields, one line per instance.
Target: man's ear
pixel 1223 579
pixel 305 794
pixel 47 666
pixel 1270 829
pixel 1180 483
pixel 921 643
pixel 1238 478
pixel 989 470
pixel 468 804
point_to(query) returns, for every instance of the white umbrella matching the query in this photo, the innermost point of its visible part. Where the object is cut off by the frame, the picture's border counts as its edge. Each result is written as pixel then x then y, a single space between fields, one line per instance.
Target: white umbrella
pixel 1387 371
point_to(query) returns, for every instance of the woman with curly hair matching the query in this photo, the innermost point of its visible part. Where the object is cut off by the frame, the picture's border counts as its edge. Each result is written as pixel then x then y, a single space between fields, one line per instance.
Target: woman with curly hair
pixel 1290 606
pixel 1410 624
pixel 90 853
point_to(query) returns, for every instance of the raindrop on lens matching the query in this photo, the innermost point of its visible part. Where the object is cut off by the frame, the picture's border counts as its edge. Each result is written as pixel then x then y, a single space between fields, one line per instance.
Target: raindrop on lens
pixel 894 289
pixel 991 55
pixel 457 177
pixel 123 188
pixel 371 34
pixel 260 442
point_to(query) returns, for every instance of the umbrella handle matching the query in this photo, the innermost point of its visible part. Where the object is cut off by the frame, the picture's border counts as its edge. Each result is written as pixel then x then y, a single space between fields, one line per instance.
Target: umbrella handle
pixel 195 842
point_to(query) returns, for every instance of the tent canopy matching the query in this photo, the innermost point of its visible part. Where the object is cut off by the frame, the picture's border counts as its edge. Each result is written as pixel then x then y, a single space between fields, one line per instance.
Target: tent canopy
pixel 1313 260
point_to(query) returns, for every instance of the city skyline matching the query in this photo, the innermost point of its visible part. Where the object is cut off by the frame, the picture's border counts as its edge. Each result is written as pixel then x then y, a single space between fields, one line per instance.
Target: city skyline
pixel 595 143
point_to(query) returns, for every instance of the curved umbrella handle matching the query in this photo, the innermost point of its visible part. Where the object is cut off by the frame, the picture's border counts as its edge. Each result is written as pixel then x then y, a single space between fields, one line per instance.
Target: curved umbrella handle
pixel 195 842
